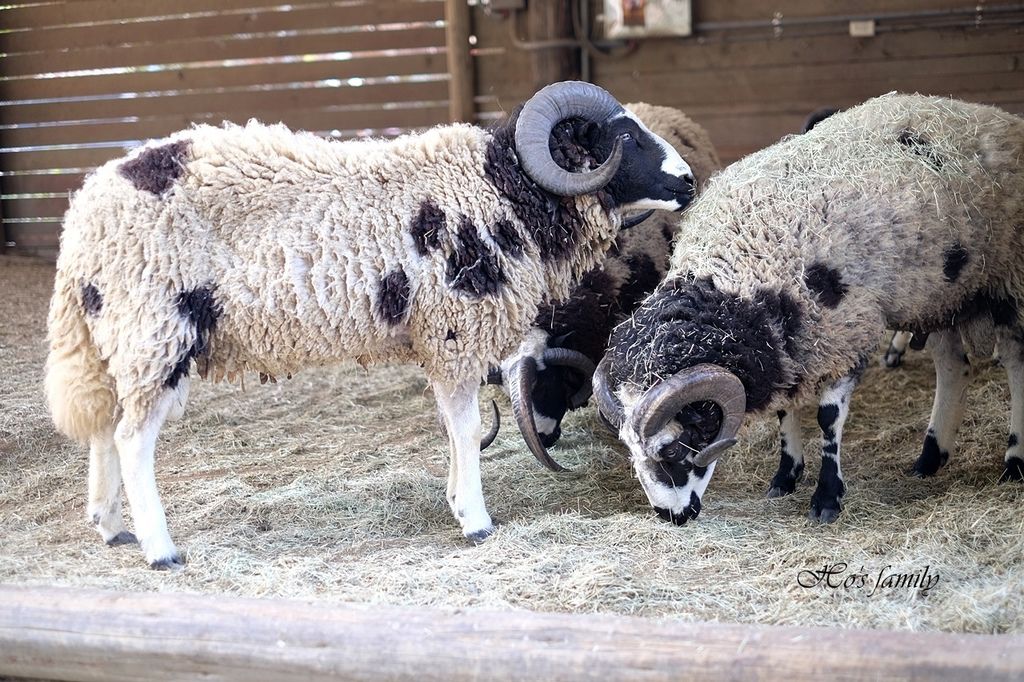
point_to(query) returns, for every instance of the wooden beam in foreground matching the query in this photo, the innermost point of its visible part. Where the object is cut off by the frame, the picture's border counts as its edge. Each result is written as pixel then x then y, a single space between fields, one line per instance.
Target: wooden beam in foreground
pixel 76 634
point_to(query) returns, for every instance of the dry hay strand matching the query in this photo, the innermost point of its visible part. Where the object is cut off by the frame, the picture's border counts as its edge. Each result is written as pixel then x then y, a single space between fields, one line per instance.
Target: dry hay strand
pixel 331 486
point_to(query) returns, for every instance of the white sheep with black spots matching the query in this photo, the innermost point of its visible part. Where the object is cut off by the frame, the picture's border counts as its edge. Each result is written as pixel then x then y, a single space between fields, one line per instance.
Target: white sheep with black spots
pixel 258 249
pixel 907 213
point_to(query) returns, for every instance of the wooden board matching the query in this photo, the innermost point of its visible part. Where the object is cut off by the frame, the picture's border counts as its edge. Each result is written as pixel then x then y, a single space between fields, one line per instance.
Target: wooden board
pixel 77 634
pixel 252 20
pixel 314 41
pixel 188 76
pixel 32 15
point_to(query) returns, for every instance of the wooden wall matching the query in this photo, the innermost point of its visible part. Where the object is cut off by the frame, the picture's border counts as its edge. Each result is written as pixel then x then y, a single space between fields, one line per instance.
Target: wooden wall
pixel 750 85
pixel 82 81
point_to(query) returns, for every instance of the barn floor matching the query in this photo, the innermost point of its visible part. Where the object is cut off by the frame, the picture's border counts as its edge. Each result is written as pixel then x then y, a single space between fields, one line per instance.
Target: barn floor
pixel 331 485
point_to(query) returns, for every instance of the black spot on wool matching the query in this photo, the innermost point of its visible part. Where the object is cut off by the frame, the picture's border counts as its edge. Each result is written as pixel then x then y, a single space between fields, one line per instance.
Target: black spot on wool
pixel 953 262
pixel 1002 311
pixel 1011 442
pixel 919 145
pixel 826 283
pixel 427 226
pixel 508 238
pixel 817 116
pixel 551 221
pixel 586 318
pixel 201 309
pixel 472 267
pixel 394 297
pixel 92 300
pixel 687 322
pixel 156 169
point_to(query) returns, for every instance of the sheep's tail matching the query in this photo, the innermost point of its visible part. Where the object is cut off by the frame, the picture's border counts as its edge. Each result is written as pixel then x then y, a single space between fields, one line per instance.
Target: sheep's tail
pixel 79 391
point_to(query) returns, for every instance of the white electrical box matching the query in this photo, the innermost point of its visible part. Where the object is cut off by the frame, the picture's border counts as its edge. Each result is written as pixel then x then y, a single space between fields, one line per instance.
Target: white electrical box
pixel 647 18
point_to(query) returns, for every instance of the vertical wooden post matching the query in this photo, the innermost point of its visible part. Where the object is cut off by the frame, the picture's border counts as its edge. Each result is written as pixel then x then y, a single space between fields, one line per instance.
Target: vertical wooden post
pixel 3 230
pixel 460 63
pixel 551 20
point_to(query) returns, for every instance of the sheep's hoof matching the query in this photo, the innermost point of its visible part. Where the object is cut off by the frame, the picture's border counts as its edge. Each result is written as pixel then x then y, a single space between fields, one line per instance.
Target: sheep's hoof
pixel 781 491
pixel 925 467
pixel 123 538
pixel 174 563
pixel 476 537
pixel 1014 470
pixel 892 360
pixel 824 511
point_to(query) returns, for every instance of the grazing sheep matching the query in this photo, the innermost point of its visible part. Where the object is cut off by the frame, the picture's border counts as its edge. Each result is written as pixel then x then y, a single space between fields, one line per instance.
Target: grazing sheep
pixel 259 249
pixel 906 212
pixel 573 333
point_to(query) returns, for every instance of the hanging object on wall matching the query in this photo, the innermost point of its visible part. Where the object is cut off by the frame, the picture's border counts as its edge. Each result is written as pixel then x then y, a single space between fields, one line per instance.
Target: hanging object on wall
pixel 647 18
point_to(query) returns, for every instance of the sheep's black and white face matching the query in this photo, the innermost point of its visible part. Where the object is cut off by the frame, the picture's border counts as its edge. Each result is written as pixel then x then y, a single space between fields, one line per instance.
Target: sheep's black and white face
pixel 674 485
pixel 652 174
pixel 552 397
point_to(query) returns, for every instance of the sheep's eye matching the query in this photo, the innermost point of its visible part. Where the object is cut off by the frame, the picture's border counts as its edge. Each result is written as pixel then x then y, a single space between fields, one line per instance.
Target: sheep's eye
pixel 626 137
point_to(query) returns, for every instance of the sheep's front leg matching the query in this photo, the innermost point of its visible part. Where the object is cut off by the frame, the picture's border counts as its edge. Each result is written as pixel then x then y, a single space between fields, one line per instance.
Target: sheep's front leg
pixel 136 442
pixel 832 412
pixel 791 462
pixel 952 374
pixel 104 510
pixel 1011 351
pixel 465 494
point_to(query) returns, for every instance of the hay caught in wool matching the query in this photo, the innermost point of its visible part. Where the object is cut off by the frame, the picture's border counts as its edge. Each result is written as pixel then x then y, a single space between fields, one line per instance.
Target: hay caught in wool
pixel 331 485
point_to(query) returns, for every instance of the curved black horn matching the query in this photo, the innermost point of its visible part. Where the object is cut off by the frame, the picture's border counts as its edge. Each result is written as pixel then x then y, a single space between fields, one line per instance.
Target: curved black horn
pixel 607 403
pixel 489 437
pixel 635 219
pixel 707 382
pixel 522 379
pixel 542 113
pixel 566 357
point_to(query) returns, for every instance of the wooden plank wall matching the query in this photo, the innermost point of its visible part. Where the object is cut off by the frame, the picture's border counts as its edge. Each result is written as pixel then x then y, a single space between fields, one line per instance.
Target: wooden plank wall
pixel 750 85
pixel 82 81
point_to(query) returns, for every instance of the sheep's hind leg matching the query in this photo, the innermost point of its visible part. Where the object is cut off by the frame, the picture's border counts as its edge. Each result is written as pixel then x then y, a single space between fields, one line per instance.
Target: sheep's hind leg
pixel 1011 351
pixel 465 493
pixel 832 412
pixel 104 510
pixel 791 461
pixel 136 441
pixel 897 347
pixel 952 374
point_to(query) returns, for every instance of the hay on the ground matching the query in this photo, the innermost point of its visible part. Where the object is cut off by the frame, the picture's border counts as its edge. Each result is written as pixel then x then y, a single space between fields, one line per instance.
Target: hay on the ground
pixel 331 485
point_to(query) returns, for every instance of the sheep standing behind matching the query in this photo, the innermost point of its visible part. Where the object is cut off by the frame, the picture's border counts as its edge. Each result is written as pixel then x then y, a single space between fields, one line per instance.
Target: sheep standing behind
pixel 572 333
pixel 906 212
pixel 258 249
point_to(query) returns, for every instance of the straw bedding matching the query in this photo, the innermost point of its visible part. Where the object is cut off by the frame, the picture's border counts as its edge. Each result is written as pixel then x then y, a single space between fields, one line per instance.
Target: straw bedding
pixel 331 485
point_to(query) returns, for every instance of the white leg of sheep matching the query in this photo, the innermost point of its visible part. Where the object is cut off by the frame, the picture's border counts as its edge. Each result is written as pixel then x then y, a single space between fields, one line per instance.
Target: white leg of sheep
pixel 791 461
pixel 135 444
pixel 461 414
pixel 952 374
pixel 1011 349
pixel 104 510
pixel 897 347
pixel 832 412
